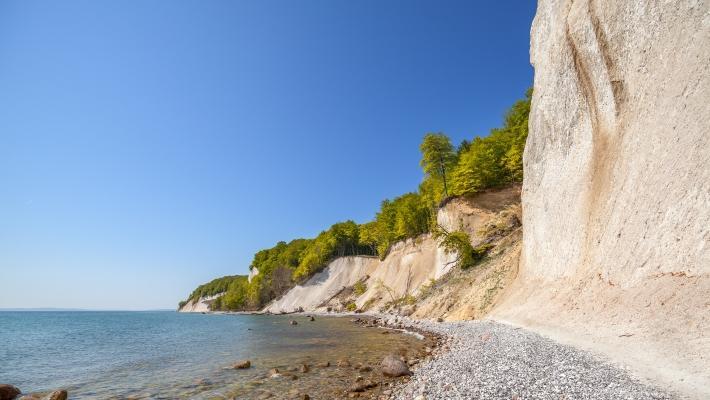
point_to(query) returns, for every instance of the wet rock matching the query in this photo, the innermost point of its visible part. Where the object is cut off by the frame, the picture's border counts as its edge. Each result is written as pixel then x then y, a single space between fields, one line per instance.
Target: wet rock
pixel 8 392
pixel 242 364
pixel 386 332
pixel 57 395
pixel 361 386
pixel 293 322
pixel 300 309
pixel 310 318
pixel 392 366
pixel 439 319
pixel 202 382
pixel 329 309
pixel 304 368
pixel 365 368
pixel 325 364
pixel 274 373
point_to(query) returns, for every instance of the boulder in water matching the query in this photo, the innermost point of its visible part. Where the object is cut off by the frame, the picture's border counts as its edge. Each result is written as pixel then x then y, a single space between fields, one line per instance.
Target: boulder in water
pixel 57 395
pixel 392 366
pixel 243 364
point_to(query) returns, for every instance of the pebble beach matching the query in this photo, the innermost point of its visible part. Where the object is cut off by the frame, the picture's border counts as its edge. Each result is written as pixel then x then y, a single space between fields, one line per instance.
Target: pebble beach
pixel 490 360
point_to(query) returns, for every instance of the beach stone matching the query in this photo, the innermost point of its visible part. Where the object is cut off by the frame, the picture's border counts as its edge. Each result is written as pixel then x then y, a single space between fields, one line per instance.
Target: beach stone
pixel 8 392
pixel 57 395
pixel 325 364
pixel 310 318
pixel 293 322
pixel 304 368
pixel 365 368
pixel 392 366
pixel 343 363
pixel 243 364
pixel 265 395
pixel 362 386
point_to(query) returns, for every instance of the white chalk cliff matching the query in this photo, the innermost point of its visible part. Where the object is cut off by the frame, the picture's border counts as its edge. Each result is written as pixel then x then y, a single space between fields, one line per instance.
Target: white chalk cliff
pixel 616 197
pixel 199 305
pixel 408 266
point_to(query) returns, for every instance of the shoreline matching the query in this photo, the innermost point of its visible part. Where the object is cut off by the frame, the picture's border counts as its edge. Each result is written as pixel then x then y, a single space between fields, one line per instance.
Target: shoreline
pixel 488 359
pixel 491 359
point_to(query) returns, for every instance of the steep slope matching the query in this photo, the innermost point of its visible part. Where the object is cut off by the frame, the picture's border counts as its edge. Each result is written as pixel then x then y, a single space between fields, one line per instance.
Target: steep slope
pixel 340 274
pixel 413 266
pixel 201 304
pixel 616 197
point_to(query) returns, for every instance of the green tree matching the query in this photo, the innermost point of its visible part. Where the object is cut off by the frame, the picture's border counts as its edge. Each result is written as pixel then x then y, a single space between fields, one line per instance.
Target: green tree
pixel 368 236
pixel 438 156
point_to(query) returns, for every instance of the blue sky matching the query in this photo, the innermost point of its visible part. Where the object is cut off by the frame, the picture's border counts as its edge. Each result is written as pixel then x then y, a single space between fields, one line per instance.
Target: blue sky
pixel 150 146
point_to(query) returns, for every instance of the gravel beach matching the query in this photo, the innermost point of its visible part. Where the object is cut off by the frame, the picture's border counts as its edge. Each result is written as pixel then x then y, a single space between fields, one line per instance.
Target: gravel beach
pixel 490 360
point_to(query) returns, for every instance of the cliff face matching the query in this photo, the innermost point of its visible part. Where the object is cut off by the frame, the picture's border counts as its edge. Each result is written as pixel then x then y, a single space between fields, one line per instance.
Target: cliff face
pixel 200 305
pixel 616 197
pixel 410 268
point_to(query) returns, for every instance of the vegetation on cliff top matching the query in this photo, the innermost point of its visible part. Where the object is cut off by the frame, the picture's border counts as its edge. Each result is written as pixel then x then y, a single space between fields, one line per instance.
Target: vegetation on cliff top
pixel 483 163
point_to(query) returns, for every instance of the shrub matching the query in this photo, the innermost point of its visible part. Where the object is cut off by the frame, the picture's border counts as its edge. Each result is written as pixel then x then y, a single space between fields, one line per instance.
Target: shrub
pixel 359 288
pixel 351 306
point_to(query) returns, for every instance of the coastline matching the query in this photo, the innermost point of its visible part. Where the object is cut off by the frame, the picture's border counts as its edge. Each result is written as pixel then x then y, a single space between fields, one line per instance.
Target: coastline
pixel 493 360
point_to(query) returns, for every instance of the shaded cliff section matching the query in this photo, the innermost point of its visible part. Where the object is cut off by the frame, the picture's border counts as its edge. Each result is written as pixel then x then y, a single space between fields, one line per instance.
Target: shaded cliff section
pixel 616 197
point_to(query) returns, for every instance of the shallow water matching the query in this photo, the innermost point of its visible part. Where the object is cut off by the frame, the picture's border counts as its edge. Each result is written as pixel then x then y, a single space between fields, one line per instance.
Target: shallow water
pixel 166 355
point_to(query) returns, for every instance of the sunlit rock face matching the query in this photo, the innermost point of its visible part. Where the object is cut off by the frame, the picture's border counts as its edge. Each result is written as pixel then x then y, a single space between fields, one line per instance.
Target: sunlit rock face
pixel 617 163
pixel 616 197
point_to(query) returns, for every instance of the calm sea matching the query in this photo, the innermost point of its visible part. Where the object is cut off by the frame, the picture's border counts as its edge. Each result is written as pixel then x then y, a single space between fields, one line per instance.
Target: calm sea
pixel 166 355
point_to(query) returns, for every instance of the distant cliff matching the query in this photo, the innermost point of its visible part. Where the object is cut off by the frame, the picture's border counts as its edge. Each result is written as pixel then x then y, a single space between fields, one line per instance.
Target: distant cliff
pixel 414 276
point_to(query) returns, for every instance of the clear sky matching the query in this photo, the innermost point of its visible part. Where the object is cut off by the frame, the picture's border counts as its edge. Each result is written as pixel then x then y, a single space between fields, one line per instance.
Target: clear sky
pixel 150 146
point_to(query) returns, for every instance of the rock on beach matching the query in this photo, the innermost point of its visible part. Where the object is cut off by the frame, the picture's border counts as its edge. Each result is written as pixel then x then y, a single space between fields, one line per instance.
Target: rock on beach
pixel 393 366
pixel 8 392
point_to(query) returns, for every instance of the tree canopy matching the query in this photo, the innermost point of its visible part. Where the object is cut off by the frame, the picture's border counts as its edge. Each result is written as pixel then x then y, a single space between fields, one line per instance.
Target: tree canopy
pixel 479 164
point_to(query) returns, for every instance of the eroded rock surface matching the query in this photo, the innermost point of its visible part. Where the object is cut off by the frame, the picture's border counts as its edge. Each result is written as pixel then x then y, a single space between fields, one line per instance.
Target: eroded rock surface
pixel 616 197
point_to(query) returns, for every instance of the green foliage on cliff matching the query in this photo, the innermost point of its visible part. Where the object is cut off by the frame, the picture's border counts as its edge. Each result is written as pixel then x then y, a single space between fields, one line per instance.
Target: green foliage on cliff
pixel 484 162
pixel 400 218
pixel 496 159
pixel 213 287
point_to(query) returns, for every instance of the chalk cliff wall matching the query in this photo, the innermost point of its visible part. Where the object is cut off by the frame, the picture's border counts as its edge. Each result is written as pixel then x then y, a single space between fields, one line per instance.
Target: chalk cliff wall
pixel 409 266
pixel 200 305
pixel 616 197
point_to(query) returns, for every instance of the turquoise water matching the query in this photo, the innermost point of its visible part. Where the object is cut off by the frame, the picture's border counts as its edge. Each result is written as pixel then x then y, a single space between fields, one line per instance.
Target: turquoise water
pixel 173 355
